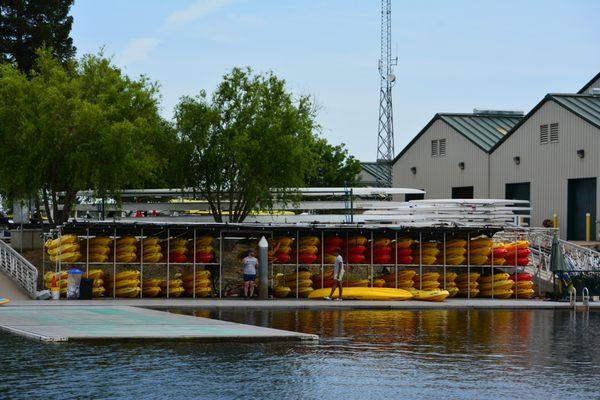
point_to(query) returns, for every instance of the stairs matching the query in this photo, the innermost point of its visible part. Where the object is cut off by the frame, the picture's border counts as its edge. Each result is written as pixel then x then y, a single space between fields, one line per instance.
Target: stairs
pixel 18 277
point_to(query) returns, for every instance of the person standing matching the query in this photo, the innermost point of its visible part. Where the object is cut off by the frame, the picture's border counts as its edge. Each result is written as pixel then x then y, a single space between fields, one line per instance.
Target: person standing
pixel 249 264
pixel 338 274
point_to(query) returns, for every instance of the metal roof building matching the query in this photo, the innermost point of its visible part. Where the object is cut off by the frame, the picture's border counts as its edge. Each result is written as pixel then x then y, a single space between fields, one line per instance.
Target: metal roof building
pixel 449 157
pixel 551 157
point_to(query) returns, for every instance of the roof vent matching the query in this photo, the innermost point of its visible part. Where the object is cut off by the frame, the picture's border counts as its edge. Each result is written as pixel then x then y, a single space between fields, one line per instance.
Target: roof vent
pixel 499 113
pixel 595 91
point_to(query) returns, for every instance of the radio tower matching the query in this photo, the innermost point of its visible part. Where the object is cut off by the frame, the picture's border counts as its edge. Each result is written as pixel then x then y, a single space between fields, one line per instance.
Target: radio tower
pixel 385 137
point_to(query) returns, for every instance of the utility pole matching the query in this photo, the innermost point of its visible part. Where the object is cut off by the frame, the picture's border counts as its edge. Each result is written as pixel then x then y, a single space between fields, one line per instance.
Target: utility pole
pixel 385 137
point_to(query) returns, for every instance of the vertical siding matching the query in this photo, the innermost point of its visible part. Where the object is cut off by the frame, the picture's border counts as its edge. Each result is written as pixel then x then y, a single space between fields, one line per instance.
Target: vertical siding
pixel 438 175
pixel 548 167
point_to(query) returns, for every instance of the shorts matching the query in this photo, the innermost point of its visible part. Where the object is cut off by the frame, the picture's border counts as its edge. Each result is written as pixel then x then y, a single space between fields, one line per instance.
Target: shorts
pixel 249 277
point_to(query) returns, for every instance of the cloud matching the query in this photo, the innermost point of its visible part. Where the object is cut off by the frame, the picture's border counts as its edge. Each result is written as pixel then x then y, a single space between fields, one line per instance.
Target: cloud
pixel 247 20
pixel 194 12
pixel 138 49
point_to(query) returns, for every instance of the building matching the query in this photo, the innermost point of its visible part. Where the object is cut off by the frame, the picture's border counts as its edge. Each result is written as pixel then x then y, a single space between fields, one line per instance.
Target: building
pixel 372 174
pixel 552 158
pixel 549 157
pixel 449 158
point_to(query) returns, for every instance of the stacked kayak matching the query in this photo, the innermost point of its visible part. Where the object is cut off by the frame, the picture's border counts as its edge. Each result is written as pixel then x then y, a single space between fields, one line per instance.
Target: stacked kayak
pixel 403 281
pixel 451 286
pixel 178 250
pixel 60 278
pixel 204 251
pixel 64 249
pixel 126 250
pixel 453 253
pixel 427 281
pixel 479 250
pixel 124 284
pixel 308 249
pixel 199 284
pixel 332 243
pixel 97 275
pixel 151 250
pixel 299 284
pixel 425 253
pixel 382 251
pixel 404 251
pixel 364 293
pixel 281 250
pixel 151 287
pixel 518 253
pixel 97 249
pixel 498 286
pixel 175 286
pixel 357 247
pixel 523 285
pixel 467 284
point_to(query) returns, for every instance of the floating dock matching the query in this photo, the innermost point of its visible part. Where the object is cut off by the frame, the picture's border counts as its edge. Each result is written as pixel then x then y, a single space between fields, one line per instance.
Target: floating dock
pixel 60 324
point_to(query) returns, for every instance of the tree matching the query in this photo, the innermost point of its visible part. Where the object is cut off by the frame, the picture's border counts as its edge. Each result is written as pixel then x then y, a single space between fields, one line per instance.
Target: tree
pixel 334 166
pixel 27 25
pixel 249 138
pixel 81 127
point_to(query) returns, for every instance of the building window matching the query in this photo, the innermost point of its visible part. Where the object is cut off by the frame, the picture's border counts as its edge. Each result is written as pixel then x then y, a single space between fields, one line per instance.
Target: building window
pixel 554 133
pixel 544 134
pixel 438 147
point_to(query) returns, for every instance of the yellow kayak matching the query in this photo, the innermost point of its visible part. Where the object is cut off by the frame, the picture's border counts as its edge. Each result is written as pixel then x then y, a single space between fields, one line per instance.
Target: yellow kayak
pixel 302 275
pixel 94 273
pixel 66 257
pixel 499 294
pixel 128 292
pixel 497 285
pixel 473 276
pixel 427 285
pixel 430 295
pixel 456 243
pixel 360 293
pixel 428 276
pixel 4 300
pixel 200 291
pixel 305 291
pixel 281 291
pixel 203 274
pixel 123 283
pixel 401 284
pixel 151 291
pixel 98 291
pixel 100 241
pixel 97 258
pixel 199 283
pixel 502 276
pixel 52 243
pixel 64 248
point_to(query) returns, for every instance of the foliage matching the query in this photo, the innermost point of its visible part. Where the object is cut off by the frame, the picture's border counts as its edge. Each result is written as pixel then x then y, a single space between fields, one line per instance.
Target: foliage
pixel 334 166
pixel 84 126
pixel 249 138
pixel 27 25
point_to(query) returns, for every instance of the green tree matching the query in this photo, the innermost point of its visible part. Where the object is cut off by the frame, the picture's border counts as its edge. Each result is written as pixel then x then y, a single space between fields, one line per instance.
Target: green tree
pixel 27 25
pixel 250 137
pixel 334 166
pixel 83 127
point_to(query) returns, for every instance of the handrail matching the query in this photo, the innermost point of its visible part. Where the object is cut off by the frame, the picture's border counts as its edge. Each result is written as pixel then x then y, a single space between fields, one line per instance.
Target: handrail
pixel 17 268
pixel 585 294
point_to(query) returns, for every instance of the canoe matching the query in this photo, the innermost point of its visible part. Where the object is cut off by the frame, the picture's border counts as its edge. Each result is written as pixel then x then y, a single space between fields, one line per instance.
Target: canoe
pixel 430 295
pixel 360 293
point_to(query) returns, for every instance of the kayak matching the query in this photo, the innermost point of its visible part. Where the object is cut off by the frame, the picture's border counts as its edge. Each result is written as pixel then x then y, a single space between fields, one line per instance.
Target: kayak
pixel 497 277
pixel 499 294
pixel 429 295
pixel 497 285
pixel 4 300
pixel 360 293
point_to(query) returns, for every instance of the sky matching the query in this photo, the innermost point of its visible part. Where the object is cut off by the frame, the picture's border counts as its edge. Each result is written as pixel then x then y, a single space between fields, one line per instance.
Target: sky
pixel 453 56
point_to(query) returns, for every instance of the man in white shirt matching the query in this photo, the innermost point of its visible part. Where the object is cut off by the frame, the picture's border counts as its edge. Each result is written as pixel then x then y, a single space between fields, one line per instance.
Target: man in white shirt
pixel 338 274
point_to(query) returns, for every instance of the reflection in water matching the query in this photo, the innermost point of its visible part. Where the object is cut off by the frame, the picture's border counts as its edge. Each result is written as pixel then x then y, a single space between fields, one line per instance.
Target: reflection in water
pixel 362 354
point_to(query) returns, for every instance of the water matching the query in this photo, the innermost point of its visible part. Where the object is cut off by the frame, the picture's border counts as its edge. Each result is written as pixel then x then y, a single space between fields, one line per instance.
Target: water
pixel 450 354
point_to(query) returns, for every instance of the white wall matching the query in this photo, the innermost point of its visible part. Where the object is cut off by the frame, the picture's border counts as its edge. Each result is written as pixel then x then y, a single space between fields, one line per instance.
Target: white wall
pixel 548 166
pixel 438 175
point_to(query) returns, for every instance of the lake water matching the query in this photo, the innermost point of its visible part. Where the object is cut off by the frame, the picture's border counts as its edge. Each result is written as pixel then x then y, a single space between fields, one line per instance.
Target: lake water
pixel 450 354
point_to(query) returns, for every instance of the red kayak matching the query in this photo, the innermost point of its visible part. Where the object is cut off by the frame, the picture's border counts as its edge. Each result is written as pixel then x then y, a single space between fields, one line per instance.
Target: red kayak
pixel 307 258
pixel 335 241
pixel 405 260
pixel 500 252
pixel 382 259
pixel 523 276
pixel 381 251
pixel 356 259
pixel 403 252
pixel 357 249
pixel 282 258
pixel 521 253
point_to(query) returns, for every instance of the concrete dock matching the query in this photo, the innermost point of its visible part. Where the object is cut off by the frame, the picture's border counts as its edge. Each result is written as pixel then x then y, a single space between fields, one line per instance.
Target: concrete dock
pixel 57 323
pixel 279 304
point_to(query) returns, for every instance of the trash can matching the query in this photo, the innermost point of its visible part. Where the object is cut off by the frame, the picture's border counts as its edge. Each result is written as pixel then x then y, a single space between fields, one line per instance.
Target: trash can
pixel 73 282
pixel 86 288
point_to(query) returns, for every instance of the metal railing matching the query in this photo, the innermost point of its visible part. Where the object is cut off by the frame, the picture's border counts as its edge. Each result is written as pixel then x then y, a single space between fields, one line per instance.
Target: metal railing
pixel 18 269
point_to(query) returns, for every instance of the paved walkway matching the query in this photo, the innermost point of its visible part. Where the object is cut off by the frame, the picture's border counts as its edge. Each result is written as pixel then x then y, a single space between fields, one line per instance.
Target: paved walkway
pixel 58 323
pixel 10 289
pixel 304 304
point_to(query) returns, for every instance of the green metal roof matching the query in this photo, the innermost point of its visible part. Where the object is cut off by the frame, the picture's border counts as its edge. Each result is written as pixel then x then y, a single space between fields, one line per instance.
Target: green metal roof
pixel 485 130
pixel 376 169
pixel 585 106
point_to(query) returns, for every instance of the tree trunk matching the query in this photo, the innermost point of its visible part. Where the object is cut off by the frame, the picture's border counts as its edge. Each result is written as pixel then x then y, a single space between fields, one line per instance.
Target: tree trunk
pixel 49 214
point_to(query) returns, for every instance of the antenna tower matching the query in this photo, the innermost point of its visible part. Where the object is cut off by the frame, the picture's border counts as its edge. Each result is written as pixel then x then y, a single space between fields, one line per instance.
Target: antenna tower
pixel 385 137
